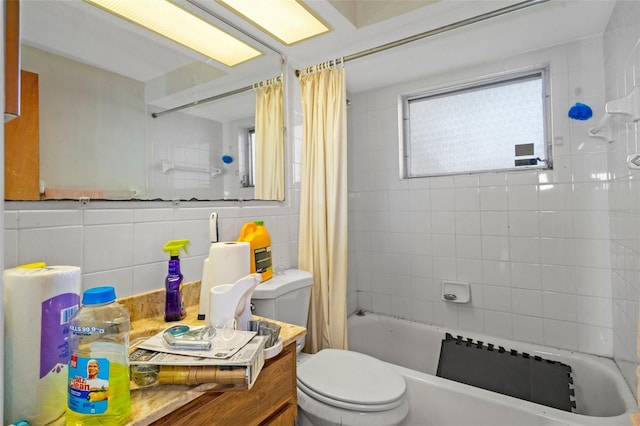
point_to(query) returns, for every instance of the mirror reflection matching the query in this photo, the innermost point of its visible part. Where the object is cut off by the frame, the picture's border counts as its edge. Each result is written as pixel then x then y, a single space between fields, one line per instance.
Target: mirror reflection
pixel 98 80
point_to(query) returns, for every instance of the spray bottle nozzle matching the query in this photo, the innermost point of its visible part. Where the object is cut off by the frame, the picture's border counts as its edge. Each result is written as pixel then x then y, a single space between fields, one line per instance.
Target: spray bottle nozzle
pixel 174 246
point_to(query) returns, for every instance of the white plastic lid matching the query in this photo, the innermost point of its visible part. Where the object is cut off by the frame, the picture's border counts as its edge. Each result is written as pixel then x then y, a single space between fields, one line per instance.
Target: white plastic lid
pixel 293 279
pixel 340 376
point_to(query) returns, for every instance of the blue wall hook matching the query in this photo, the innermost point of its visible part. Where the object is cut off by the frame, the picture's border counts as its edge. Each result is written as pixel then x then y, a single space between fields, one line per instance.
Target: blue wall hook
pixel 580 112
pixel 227 159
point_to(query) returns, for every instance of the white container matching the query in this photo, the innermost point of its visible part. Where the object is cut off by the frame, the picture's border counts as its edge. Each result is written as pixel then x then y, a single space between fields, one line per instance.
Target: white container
pixel 39 300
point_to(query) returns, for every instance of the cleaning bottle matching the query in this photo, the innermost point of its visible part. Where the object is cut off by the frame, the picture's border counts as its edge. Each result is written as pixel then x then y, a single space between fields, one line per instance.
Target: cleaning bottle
pixel 174 301
pixel 98 386
pixel 256 234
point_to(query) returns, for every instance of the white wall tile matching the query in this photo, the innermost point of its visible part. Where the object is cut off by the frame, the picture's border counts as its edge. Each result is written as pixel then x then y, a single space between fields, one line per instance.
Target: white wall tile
pixel 592 253
pixel 442 199
pixel 107 216
pixel 524 249
pixel 10 219
pixel 54 246
pixel 559 278
pixel 444 268
pixel 593 281
pixel 445 314
pixel 468 247
pixel 497 298
pixel 523 223
pixel 120 279
pixel 420 200
pixel 558 196
pixel 556 224
pixel 523 197
pixel 594 311
pixel 595 340
pixel 557 251
pixel 561 334
pixel 590 196
pixel 493 198
pixel 471 319
pixel 494 223
pixel 108 247
pixel 444 245
pixel 10 249
pixel 526 276
pixel 496 273
pixel 526 302
pixel 48 218
pixel 499 324
pixel 469 270
pixel 529 329
pixel 467 199
pixel 495 248
pixel 152 215
pixel 559 306
pixel 443 222
pixel 467 223
pixel 149 240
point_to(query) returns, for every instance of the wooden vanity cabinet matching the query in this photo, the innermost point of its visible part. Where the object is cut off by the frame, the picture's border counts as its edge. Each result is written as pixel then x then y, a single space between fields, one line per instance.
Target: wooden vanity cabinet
pixel 271 401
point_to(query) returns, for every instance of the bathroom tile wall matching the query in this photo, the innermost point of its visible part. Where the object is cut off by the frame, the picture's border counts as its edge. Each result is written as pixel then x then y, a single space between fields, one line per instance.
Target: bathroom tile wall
pixel 120 243
pixel 622 74
pixel 534 245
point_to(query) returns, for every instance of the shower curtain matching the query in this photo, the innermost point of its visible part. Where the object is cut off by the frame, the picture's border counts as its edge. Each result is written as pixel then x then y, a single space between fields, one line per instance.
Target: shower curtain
pixel 269 150
pixel 323 203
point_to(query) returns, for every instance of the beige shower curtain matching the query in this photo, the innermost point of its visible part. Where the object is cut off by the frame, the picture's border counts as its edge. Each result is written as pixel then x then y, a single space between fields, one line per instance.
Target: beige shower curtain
pixel 269 151
pixel 323 204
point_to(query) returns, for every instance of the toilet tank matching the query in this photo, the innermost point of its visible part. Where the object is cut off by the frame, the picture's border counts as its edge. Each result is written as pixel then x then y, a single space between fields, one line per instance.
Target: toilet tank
pixel 284 297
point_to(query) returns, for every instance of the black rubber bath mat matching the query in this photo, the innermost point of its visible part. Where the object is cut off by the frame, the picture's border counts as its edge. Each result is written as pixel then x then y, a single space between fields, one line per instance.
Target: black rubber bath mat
pixel 508 372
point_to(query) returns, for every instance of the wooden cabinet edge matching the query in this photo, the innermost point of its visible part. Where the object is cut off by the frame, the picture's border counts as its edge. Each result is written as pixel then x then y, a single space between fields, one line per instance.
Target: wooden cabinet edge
pixel 12 59
pixel 279 411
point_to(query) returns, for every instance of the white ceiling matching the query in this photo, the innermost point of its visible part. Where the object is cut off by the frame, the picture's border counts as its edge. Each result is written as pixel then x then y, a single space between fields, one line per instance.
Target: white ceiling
pixel 77 30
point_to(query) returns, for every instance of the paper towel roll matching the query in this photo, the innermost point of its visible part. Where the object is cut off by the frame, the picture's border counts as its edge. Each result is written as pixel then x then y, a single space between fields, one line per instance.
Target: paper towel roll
pixel 226 264
pixel 38 303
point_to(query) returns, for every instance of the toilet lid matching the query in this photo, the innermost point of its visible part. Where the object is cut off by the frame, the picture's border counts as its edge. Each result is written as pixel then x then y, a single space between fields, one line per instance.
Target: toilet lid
pixel 351 380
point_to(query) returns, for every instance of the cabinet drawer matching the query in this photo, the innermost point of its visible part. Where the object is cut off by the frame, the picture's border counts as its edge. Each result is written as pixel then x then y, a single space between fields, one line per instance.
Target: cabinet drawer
pixel 272 400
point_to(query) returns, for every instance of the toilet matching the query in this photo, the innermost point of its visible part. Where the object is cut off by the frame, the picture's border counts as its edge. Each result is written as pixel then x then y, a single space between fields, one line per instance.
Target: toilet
pixel 335 387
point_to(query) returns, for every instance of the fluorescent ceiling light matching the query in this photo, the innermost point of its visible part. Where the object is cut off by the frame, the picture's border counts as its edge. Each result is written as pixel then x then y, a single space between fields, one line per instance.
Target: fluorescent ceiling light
pixel 287 20
pixel 174 23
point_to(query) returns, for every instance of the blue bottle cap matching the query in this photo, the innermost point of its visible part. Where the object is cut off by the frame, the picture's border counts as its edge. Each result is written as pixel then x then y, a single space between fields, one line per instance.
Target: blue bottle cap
pixel 98 295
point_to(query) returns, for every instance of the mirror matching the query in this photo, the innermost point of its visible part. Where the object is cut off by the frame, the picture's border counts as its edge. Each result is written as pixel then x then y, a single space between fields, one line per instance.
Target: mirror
pixel 99 80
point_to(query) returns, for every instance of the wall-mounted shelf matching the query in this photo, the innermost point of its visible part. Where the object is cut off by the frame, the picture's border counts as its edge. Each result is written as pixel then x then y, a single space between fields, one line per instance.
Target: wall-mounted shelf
pixel 168 166
pixel 628 106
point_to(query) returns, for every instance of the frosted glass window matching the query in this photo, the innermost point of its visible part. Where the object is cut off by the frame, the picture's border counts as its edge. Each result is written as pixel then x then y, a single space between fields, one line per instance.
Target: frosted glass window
pixel 498 125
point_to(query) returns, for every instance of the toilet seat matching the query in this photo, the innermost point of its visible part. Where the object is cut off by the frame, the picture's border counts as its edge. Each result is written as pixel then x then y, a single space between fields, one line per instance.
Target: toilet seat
pixel 351 381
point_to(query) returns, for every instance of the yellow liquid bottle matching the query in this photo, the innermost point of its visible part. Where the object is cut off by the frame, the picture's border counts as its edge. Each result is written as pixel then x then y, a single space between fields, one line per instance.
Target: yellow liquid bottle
pixel 98 385
pixel 256 234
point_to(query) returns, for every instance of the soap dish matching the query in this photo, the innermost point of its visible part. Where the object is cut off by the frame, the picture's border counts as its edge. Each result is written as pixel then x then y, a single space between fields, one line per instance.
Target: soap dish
pixel 273 350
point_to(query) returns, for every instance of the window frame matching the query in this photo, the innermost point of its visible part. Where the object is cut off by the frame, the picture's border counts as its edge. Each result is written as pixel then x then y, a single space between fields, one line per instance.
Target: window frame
pixel 468 86
pixel 248 177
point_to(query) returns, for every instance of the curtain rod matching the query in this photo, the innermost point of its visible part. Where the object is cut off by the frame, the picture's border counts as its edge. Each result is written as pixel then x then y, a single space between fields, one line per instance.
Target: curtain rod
pixel 440 30
pixel 212 98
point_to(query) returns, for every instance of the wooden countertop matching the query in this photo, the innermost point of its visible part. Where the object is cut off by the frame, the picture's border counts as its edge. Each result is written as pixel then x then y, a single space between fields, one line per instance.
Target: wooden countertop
pixel 150 404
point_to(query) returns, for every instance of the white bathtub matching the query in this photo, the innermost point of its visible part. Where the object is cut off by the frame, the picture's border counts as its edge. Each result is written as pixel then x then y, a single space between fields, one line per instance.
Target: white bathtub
pixel 602 395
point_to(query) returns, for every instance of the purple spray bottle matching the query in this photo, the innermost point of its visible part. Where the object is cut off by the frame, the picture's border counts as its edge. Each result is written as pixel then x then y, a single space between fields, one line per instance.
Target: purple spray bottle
pixel 174 302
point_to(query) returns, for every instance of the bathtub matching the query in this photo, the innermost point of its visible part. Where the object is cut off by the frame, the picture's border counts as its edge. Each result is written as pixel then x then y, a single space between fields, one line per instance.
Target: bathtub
pixel 413 349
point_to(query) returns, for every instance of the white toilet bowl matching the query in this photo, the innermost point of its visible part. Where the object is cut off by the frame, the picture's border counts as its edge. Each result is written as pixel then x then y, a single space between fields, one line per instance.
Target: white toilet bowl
pixel 338 387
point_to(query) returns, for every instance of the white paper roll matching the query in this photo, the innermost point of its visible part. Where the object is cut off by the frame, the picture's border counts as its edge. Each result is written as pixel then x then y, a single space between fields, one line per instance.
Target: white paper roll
pixel 226 264
pixel 38 303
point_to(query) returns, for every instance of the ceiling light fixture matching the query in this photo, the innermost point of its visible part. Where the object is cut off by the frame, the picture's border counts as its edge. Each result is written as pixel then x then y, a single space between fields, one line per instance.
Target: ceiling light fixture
pixel 175 23
pixel 289 21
